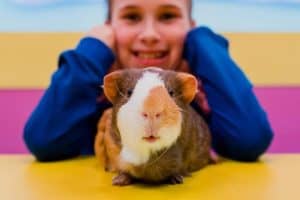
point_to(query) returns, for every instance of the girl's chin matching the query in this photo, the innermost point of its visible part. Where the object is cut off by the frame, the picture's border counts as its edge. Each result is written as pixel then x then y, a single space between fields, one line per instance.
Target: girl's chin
pixel 139 66
pixel 157 62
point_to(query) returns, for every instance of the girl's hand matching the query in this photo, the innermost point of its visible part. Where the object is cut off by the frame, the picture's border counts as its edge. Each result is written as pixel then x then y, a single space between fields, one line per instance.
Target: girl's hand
pixel 114 67
pixel 103 33
pixel 200 97
pixel 106 34
pixel 183 67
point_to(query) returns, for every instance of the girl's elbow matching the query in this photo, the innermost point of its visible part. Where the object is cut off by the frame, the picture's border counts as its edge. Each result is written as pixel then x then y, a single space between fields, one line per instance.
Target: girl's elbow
pixel 35 145
pixel 44 150
pixel 254 142
pixel 246 144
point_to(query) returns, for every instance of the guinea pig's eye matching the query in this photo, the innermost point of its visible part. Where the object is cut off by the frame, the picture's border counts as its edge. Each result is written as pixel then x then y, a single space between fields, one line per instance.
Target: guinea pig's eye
pixel 129 93
pixel 171 93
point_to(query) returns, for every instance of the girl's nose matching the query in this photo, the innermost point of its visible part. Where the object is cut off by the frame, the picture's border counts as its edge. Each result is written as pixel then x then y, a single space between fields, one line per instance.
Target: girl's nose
pixel 149 34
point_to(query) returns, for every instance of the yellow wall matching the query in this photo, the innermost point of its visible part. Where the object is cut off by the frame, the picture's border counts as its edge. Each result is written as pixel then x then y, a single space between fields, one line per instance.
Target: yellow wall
pixel 27 60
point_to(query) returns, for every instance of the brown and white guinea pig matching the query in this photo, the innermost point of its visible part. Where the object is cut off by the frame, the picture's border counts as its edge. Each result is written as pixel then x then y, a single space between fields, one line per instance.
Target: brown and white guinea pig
pixel 152 133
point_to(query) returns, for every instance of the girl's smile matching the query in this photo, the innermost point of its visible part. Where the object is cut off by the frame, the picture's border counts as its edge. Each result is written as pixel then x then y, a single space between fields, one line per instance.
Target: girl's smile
pixel 150 58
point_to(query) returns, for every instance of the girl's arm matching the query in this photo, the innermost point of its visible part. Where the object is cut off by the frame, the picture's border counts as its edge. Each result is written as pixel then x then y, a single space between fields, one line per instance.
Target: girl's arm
pixel 239 125
pixel 63 124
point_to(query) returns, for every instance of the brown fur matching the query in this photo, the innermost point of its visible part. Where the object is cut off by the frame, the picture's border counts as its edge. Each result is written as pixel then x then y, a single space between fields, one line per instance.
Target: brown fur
pixel 191 151
pixel 106 148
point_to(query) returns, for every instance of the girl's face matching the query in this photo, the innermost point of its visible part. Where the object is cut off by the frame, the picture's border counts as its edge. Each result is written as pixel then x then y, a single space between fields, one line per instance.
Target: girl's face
pixel 150 32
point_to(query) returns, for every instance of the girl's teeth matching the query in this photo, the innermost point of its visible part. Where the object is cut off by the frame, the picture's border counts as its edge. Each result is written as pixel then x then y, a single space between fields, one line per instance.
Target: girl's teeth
pixel 150 55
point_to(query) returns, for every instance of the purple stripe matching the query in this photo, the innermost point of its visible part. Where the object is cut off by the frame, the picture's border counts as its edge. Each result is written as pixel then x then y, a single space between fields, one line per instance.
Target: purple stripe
pixel 281 104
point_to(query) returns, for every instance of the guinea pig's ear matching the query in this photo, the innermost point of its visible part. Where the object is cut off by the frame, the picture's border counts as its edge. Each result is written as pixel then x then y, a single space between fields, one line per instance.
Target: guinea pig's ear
pixel 110 85
pixel 189 86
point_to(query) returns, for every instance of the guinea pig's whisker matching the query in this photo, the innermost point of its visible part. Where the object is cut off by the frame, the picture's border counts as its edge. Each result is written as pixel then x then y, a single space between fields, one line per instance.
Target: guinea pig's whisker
pixel 182 110
pixel 159 157
pixel 178 95
pixel 121 93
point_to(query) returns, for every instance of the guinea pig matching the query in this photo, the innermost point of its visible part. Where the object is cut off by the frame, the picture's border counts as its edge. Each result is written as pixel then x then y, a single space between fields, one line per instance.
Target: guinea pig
pixel 151 134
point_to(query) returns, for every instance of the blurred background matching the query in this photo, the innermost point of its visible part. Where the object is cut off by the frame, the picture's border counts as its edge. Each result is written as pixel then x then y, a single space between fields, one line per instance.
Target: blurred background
pixel 80 15
pixel 264 37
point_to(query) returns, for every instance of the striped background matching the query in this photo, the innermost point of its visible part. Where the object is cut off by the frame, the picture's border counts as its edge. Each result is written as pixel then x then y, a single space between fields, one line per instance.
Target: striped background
pixel 268 53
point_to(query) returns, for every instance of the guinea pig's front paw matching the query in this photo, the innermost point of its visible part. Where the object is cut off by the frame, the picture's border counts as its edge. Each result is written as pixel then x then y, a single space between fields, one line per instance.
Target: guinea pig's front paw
pixel 122 179
pixel 176 179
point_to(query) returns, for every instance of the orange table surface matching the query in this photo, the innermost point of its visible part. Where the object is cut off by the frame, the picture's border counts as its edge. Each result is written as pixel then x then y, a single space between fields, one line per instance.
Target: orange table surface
pixel 276 176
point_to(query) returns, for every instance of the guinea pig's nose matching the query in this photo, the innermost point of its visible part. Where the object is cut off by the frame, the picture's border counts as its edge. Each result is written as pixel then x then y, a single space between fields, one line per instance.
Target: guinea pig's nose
pixel 152 115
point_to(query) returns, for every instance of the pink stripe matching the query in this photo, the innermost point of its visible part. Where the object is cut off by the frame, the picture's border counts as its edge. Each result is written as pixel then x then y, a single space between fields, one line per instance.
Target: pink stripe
pixel 282 107
pixel 281 104
pixel 15 106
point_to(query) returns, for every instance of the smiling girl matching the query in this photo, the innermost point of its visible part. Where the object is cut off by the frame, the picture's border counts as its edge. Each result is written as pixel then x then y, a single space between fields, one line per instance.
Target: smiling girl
pixel 140 34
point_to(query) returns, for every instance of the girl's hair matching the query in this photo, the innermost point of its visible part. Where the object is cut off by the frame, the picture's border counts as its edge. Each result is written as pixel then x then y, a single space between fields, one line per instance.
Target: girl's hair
pixel 108 4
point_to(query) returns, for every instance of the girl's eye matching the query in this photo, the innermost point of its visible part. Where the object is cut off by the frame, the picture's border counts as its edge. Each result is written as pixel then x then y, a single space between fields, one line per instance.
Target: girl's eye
pixel 167 16
pixel 132 17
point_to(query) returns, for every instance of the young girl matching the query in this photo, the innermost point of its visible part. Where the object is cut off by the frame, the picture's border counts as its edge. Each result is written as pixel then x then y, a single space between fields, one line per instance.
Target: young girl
pixel 140 34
